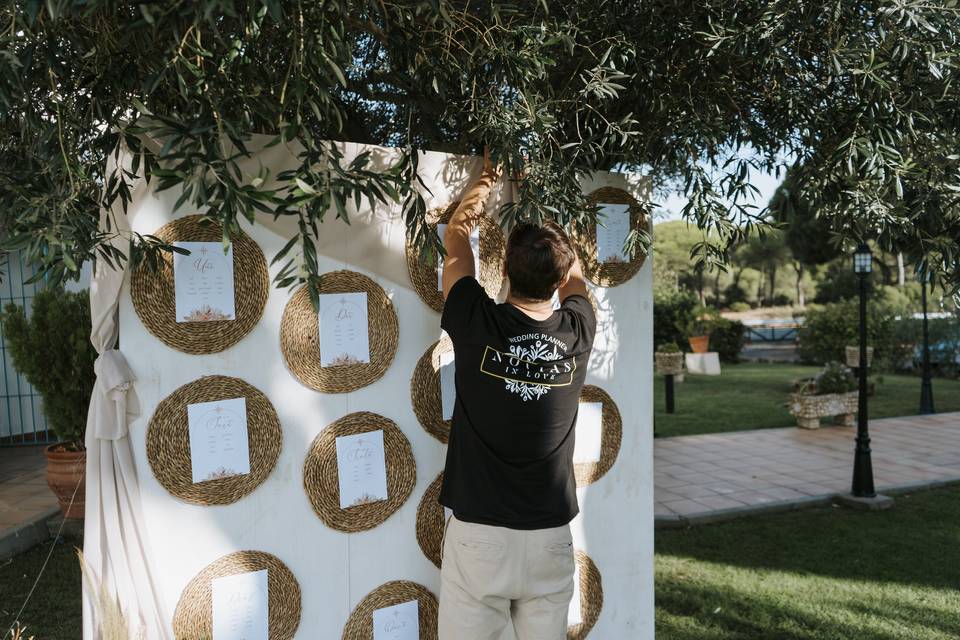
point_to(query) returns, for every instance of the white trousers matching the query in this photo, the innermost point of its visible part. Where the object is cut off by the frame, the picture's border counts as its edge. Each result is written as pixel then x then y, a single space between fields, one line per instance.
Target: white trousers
pixel 492 577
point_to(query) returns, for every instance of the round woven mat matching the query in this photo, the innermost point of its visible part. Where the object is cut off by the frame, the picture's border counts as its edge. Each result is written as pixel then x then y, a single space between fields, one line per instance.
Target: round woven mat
pixel 300 336
pixel 168 441
pixel 360 624
pixel 320 477
pixel 492 247
pixel 588 472
pixel 609 274
pixel 430 522
pixel 154 298
pixel 425 390
pixel 591 597
pixel 193 617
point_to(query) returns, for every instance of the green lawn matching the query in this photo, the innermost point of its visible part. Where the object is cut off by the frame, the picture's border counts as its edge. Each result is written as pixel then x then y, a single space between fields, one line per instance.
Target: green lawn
pixel 752 396
pixel 826 574
pixel 54 610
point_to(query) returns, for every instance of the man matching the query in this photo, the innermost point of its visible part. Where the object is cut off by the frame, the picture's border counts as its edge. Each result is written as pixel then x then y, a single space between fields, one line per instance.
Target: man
pixel 520 366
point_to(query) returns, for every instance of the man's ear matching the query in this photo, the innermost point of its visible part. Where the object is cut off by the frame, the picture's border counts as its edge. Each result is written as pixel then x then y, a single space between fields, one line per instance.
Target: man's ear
pixel 564 282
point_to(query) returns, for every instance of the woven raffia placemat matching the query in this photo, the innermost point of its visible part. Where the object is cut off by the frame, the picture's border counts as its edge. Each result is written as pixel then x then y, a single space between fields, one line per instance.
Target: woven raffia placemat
pixel 591 597
pixel 300 335
pixel 154 297
pixel 360 624
pixel 168 441
pixel 320 477
pixel 492 246
pixel 609 274
pixel 430 522
pixel 588 472
pixel 425 390
pixel 193 617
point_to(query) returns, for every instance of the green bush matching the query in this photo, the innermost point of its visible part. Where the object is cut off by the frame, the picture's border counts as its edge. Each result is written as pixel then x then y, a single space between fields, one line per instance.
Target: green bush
pixel 828 330
pixel 734 294
pixel 727 339
pixel 737 307
pixel 52 350
pixel 672 309
pixel 669 347
pixel 834 378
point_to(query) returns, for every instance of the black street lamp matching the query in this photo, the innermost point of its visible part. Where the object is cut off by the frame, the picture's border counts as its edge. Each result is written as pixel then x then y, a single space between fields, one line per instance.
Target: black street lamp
pixel 926 386
pixel 862 464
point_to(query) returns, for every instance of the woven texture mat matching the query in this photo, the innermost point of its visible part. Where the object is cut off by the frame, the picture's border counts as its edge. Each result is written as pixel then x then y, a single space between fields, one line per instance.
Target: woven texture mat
pixel 591 597
pixel 609 274
pixel 168 441
pixel 588 472
pixel 492 247
pixel 360 624
pixel 430 522
pixel 300 336
pixel 193 617
pixel 425 390
pixel 154 298
pixel 320 477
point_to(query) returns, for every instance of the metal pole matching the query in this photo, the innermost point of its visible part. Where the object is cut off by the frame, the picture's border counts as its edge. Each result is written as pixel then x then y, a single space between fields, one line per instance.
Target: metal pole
pixel 926 387
pixel 862 464
pixel 669 388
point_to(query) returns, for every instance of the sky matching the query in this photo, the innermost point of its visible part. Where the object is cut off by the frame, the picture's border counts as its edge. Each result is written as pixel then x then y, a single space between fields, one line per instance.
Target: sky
pixel 767 183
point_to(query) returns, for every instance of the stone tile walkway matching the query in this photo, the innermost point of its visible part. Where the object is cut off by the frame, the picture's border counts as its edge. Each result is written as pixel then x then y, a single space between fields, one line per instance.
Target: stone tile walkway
pixel 24 494
pixel 714 476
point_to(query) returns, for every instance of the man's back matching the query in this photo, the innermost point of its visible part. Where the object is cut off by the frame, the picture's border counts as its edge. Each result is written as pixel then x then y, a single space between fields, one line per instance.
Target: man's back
pixel 518 381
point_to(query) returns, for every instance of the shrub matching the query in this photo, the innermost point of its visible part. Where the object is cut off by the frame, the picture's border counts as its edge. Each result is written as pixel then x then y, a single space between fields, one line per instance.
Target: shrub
pixel 670 309
pixel 780 300
pixel 702 321
pixel 52 350
pixel 669 347
pixel 834 378
pixel 828 330
pixel 735 294
pixel 740 306
pixel 727 339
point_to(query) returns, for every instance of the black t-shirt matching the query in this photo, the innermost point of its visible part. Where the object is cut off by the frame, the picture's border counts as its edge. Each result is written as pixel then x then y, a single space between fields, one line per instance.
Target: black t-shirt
pixel 518 381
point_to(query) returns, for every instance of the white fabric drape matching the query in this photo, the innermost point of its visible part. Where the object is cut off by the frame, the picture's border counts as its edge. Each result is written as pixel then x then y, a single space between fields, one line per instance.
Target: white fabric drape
pixel 116 547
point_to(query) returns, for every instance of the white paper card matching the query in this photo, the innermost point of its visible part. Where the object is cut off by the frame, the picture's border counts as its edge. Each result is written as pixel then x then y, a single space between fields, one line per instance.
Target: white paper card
pixel 361 469
pixel 448 388
pixel 240 606
pixel 474 244
pixel 399 622
pixel 203 282
pixel 575 613
pixel 218 439
pixel 344 332
pixel 615 221
pixel 589 432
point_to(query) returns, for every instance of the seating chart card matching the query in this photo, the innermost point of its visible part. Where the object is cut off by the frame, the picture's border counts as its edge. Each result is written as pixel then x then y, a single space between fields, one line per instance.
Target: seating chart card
pixel 448 390
pixel 613 227
pixel 474 244
pixel 575 612
pixel 399 622
pixel 589 432
pixel 344 331
pixel 240 606
pixel 203 282
pixel 361 468
pixel 219 447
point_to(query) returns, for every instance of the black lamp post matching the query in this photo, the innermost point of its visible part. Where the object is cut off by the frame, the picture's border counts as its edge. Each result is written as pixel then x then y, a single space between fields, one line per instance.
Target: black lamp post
pixel 926 387
pixel 862 464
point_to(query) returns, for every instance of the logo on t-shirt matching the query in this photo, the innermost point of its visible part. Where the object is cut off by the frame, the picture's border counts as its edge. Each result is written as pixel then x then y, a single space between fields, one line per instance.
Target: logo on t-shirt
pixel 531 367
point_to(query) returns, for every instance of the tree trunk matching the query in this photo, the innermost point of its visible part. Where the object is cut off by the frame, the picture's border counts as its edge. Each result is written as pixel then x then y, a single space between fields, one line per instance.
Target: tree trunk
pixel 763 274
pixel 700 292
pixel 901 274
pixel 773 281
pixel 801 300
pixel 716 288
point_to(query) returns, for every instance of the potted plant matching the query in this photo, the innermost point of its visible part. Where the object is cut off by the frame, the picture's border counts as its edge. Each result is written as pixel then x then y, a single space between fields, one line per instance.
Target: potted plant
pixel 830 393
pixel 668 359
pixel 852 356
pixel 699 326
pixel 52 349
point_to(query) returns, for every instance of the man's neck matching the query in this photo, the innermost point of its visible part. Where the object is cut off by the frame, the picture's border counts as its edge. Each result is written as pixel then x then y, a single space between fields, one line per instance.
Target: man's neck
pixel 536 309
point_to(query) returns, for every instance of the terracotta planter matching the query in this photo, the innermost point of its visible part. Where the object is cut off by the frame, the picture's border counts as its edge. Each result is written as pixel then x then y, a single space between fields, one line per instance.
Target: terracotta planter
pixel 852 356
pixel 668 363
pixel 808 409
pixel 66 472
pixel 700 344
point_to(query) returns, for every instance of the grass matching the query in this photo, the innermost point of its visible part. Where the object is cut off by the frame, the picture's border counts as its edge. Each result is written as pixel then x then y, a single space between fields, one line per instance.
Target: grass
pixel 53 612
pixel 825 574
pixel 752 396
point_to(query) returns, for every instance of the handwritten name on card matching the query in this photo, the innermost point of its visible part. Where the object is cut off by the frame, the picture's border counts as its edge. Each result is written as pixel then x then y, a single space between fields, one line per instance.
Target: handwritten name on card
pixel 587 448
pixel 203 282
pixel 474 244
pixel 399 622
pixel 361 469
pixel 219 446
pixel 241 607
pixel 613 228
pixel 344 331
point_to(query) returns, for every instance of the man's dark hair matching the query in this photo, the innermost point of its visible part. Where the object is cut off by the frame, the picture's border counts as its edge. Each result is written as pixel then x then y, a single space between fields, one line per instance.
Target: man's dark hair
pixel 538 259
